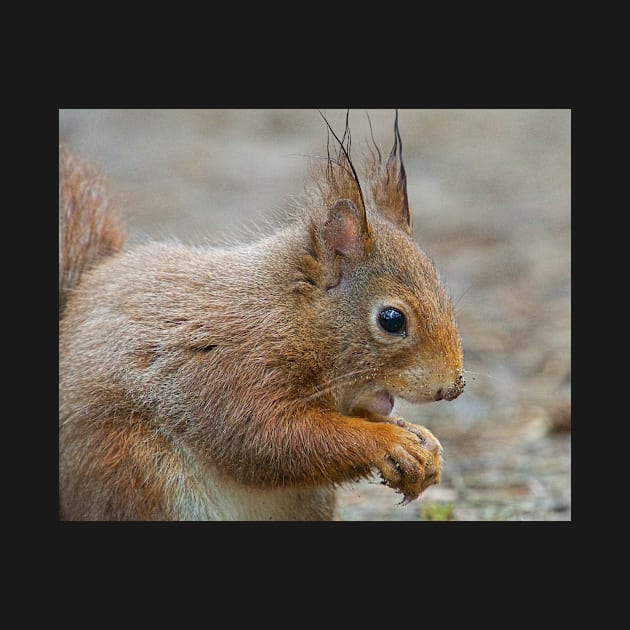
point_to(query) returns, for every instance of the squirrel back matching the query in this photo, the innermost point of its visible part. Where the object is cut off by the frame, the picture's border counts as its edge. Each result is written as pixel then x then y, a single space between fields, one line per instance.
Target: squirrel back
pixel 90 228
pixel 249 381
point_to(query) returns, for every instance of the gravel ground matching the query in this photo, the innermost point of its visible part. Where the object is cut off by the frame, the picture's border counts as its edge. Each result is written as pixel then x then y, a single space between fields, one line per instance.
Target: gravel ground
pixel 491 196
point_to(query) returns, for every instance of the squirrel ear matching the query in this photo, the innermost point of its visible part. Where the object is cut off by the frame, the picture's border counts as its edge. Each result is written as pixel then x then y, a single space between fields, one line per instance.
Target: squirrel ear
pixel 346 230
pixel 345 238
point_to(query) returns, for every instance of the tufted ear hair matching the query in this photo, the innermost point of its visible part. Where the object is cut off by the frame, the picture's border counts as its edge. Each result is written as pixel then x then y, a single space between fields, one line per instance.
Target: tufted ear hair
pixel 345 240
pixel 389 186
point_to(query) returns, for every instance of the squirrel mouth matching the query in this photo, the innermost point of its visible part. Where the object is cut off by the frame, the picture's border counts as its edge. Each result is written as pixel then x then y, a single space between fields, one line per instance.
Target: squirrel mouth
pixel 383 403
pixel 380 402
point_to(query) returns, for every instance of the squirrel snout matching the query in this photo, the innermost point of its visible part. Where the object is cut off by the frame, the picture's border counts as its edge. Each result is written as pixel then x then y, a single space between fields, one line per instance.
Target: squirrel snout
pixel 452 391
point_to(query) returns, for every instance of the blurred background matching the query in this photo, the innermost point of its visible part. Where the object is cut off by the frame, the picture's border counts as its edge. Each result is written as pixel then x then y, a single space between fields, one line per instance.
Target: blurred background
pixel 490 191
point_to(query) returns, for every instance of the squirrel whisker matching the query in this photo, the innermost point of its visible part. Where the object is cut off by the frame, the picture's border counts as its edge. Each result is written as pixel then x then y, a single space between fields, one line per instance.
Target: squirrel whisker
pixel 330 384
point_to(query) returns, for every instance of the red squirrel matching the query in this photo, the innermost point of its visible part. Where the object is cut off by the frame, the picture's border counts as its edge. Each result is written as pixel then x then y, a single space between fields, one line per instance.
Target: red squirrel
pixel 247 382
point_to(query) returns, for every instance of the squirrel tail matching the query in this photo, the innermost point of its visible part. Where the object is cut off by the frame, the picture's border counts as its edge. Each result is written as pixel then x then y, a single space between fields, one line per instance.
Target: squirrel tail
pixel 90 228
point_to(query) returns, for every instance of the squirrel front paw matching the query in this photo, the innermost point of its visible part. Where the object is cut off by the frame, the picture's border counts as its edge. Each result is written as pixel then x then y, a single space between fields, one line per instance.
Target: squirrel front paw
pixel 413 461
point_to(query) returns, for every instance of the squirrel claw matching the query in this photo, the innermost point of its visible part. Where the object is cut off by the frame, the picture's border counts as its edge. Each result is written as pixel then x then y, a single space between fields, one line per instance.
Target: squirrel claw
pixel 408 498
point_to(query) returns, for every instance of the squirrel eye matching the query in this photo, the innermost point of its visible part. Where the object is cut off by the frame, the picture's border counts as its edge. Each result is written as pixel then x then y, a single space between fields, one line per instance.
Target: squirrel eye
pixel 391 320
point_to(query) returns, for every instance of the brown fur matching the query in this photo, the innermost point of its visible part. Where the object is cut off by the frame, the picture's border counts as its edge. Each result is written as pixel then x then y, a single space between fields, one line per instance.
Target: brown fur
pixel 89 226
pixel 240 382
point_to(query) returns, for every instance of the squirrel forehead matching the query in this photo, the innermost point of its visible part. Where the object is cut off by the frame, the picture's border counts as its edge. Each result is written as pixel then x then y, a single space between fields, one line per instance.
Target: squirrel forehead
pixel 395 253
pixel 400 269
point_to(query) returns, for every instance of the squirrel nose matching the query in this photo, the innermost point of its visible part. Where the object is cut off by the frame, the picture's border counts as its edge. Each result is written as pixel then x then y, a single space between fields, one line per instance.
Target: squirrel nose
pixel 452 391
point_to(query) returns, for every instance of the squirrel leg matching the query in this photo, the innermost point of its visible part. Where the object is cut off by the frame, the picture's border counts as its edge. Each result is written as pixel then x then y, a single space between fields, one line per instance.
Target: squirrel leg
pixel 398 474
pixel 320 446
pixel 412 460
pixel 433 451
pixel 118 469
pixel 426 437
pixel 433 464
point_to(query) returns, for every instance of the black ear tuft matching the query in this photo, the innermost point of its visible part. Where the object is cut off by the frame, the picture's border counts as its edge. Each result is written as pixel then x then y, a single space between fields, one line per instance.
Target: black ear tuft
pixel 405 217
pixel 389 186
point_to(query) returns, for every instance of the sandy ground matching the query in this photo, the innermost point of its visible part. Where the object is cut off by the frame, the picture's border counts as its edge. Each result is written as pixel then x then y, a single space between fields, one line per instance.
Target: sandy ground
pixel 490 192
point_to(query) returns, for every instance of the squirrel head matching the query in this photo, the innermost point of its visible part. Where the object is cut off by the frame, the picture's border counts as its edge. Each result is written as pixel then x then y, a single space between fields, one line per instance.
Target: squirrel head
pixel 383 315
